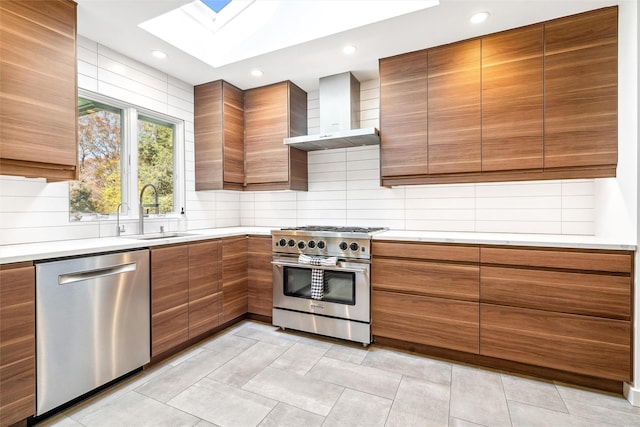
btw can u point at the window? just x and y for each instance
(120, 149)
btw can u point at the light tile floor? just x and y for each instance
(253, 374)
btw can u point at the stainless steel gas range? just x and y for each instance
(322, 280)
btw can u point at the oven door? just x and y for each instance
(347, 294)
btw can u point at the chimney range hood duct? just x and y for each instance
(339, 117)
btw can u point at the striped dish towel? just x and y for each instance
(318, 283)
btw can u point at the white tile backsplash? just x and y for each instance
(344, 184)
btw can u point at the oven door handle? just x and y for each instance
(318, 267)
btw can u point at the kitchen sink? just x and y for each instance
(158, 236)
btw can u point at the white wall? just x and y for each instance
(344, 188)
(624, 191)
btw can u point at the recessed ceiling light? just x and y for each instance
(257, 73)
(479, 17)
(349, 49)
(158, 54)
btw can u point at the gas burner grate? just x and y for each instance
(335, 229)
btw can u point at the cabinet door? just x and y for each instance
(581, 90)
(581, 344)
(208, 133)
(266, 125)
(260, 276)
(205, 296)
(38, 89)
(512, 99)
(454, 108)
(271, 114)
(403, 114)
(17, 344)
(437, 322)
(219, 136)
(169, 297)
(234, 278)
(233, 118)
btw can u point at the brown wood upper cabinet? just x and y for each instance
(17, 342)
(219, 136)
(537, 102)
(272, 113)
(454, 136)
(38, 89)
(403, 114)
(512, 95)
(581, 91)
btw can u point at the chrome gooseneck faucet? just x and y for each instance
(148, 205)
(120, 229)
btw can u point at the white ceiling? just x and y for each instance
(114, 23)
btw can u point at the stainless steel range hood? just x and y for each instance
(339, 117)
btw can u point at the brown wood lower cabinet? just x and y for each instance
(17, 343)
(185, 293)
(581, 344)
(565, 310)
(260, 276)
(205, 294)
(169, 297)
(234, 278)
(437, 322)
(426, 293)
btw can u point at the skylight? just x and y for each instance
(221, 32)
(216, 5)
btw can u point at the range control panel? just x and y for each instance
(342, 246)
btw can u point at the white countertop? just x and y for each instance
(64, 248)
(547, 240)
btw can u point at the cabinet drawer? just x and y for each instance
(578, 293)
(432, 321)
(616, 262)
(426, 251)
(442, 280)
(581, 344)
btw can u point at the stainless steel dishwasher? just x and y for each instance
(92, 323)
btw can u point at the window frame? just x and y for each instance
(129, 153)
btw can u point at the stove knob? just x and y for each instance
(321, 244)
(291, 243)
(354, 246)
(311, 244)
(301, 245)
(282, 242)
(343, 246)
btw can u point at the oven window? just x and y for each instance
(339, 287)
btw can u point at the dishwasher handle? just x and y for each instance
(66, 279)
